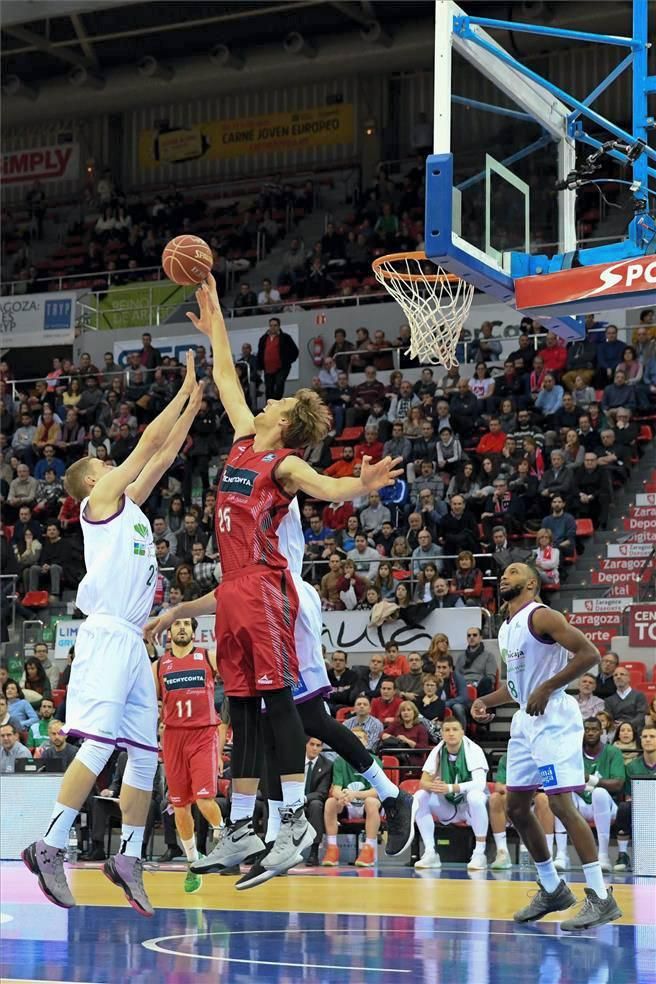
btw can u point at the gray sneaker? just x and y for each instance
(593, 912)
(296, 833)
(235, 843)
(47, 863)
(544, 902)
(127, 873)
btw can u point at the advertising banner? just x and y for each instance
(617, 550)
(600, 281)
(641, 524)
(177, 345)
(57, 162)
(646, 499)
(135, 306)
(617, 603)
(642, 625)
(33, 320)
(248, 135)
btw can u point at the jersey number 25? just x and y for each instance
(223, 516)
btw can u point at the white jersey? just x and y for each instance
(530, 659)
(312, 675)
(119, 554)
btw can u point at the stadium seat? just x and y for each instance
(584, 527)
(36, 599)
(58, 697)
(336, 452)
(637, 679)
(645, 434)
(636, 666)
(648, 689)
(350, 435)
(472, 692)
(391, 766)
(343, 713)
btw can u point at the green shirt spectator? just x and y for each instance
(609, 764)
(500, 774)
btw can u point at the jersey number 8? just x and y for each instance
(223, 516)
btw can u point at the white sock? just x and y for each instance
(242, 806)
(131, 840)
(550, 842)
(381, 783)
(595, 879)
(62, 819)
(215, 832)
(479, 847)
(623, 845)
(332, 839)
(190, 849)
(293, 794)
(372, 842)
(561, 843)
(549, 877)
(501, 842)
(273, 823)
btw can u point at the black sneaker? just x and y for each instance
(594, 912)
(400, 814)
(312, 860)
(258, 873)
(623, 862)
(544, 902)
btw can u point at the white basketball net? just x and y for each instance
(435, 305)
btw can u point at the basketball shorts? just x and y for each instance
(255, 619)
(191, 763)
(446, 812)
(544, 752)
(353, 811)
(111, 695)
(312, 674)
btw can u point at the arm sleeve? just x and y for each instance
(477, 781)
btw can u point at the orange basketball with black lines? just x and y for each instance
(187, 260)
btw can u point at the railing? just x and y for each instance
(9, 592)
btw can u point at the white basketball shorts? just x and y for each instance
(312, 674)
(545, 752)
(111, 695)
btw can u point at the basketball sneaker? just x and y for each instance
(502, 861)
(429, 859)
(544, 902)
(561, 862)
(605, 863)
(366, 858)
(47, 863)
(235, 843)
(258, 874)
(127, 872)
(623, 862)
(331, 857)
(593, 912)
(477, 862)
(400, 817)
(295, 834)
(193, 882)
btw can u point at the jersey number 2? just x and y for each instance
(223, 516)
(182, 706)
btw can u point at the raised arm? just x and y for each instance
(107, 492)
(211, 323)
(205, 605)
(296, 475)
(140, 489)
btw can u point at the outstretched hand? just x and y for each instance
(156, 628)
(209, 305)
(383, 473)
(479, 712)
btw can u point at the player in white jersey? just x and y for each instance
(543, 655)
(313, 684)
(111, 697)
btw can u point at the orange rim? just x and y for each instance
(432, 278)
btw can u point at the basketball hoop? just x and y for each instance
(436, 304)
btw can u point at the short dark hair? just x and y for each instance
(446, 658)
(9, 724)
(161, 539)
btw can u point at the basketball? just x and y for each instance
(187, 260)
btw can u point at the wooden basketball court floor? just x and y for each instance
(319, 926)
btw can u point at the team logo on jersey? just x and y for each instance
(141, 529)
(138, 548)
(300, 688)
(199, 656)
(269, 457)
(548, 776)
(184, 680)
(238, 480)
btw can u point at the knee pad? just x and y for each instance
(140, 769)
(94, 755)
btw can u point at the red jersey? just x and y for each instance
(187, 688)
(250, 505)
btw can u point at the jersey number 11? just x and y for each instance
(183, 705)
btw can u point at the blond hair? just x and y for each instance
(74, 479)
(309, 421)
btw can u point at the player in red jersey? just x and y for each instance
(184, 680)
(257, 601)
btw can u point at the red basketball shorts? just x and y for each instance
(255, 618)
(191, 763)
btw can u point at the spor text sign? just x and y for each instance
(642, 625)
(634, 276)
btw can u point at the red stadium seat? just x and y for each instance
(58, 697)
(584, 527)
(637, 679)
(336, 453)
(350, 435)
(391, 766)
(636, 666)
(645, 434)
(648, 689)
(410, 786)
(36, 599)
(343, 713)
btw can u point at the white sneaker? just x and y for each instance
(430, 859)
(605, 863)
(477, 862)
(501, 861)
(561, 862)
